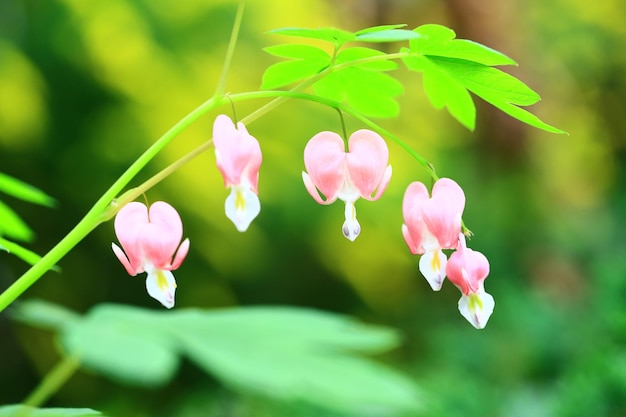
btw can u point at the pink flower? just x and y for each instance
(432, 224)
(467, 269)
(150, 241)
(347, 176)
(239, 158)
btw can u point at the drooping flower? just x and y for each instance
(432, 224)
(362, 172)
(150, 241)
(239, 158)
(467, 269)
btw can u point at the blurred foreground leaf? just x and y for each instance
(22, 410)
(23, 191)
(284, 353)
(24, 254)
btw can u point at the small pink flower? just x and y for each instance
(151, 244)
(467, 269)
(347, 176)
(432, 224)
(238, 156)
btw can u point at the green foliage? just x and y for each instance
(22, 410)
(11, 224)
(284, 353)
(452, 68)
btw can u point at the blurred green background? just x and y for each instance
(86, 86)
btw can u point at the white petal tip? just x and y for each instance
(432, 265)
(242, 206)
(477, 308)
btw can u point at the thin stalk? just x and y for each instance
(230, 51)
(51, 383)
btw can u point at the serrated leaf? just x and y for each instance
(359, 53)
(23, 410)
(24, 254)
(12, 225)
(288, 72)
(437, 40)
(388, 35)
(335, 36)
(488, 83)
(297, 51)
(23, 191)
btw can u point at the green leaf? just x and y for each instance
(360, 53)
(380, 28)
(369, 92)
(13, 226)
(287, 353)
(24, 254)
(124, 343)
(388, 35)
(437, 40)
(288, 72)
(24, 191)
(40, 313)
(298, 355)
(297, 51)
(335, 36)
(23, 410)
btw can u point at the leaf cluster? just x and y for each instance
(11, 224)
(284, 353)
(360, 76)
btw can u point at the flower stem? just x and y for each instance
(52, 382)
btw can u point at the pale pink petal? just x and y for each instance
(467, 269)
(477, 308)
(129, 223)
(413, 230)
(351, 227)
(161, 286)
(432, 265)
(367, 161)
(162, 236)
(442, 214)
(324, 160)
(124, 260)
(180, 255)
(242, 206)
(235, 149)
(310, 187)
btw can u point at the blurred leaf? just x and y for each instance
(11, 225)
(380, 28)
(24, 191)
(335, 36)
(124, 343)
(23, 410)
(24, 254)
(286, 353)
(295, 354)
(41, 313)
(437, 40)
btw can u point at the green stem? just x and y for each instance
(230, 51)
(52, 382)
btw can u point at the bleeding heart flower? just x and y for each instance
(150, 240)
(467, 269)
(347, 176)
(238, 156)
(432, 224)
